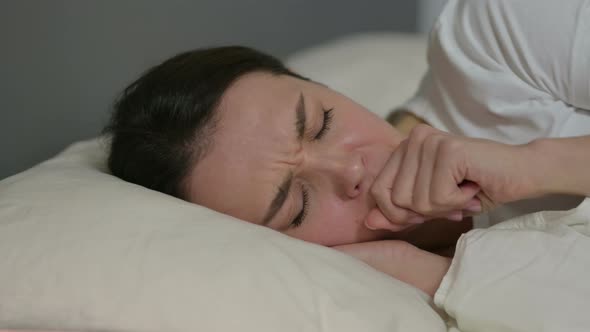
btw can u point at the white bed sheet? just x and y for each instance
(531, 273)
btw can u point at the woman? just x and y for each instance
(235, 130)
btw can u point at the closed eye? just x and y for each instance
(303, 212)
(327, 120)
(325, 124)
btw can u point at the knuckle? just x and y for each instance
(399, 215)
(423, 207)
(431, 142)
(402, 147)
(439, 199)
(450, 146)
(391, 212)
(421, 130)
(400, 199)
(418, 135)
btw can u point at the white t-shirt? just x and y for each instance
(510, 71)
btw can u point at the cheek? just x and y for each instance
(362, 126)
(333, 223)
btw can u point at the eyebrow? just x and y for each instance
(285, 187)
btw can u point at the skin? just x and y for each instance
(403, 261)
(241, 173)
(365, 181)
(436, 173)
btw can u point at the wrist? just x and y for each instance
(505, 173)
(535, 168)
(557, 166)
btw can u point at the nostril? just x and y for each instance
(357, 189)
(354, 192)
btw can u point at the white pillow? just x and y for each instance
(381, 71)
(81, 249)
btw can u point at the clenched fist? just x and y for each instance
(433, 174)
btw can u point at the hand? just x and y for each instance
(433, 174)
(402, 261)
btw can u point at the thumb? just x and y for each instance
(469, 188)
(487, 204)
(463, 193)
(473, 193)
(375, 220)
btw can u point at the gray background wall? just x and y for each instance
(63, 61)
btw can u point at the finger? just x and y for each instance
(448, 191)
(423, 183)
(376, 220)
(399, 216)
(381, 189)
(402, 191)
(455, 216)
(469, 189)
(487, 204)
(473, 206)
(384, 180)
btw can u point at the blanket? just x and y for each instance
(531, 273)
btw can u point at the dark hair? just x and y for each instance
(163, 122)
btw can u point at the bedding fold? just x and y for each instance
(531, 273)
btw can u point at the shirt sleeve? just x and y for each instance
(509, 70)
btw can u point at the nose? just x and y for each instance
(345, 170)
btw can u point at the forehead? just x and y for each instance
(258, 98)
(253, 139)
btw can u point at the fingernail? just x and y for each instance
(416, 220)
(455, 216)
(473, 207)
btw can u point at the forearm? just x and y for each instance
(403, 261)
(560, 165)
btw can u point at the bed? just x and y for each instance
(82, 250)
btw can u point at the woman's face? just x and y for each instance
(294, 156)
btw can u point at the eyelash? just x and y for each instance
(326, 124)
(303, 213)
(328, 115)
